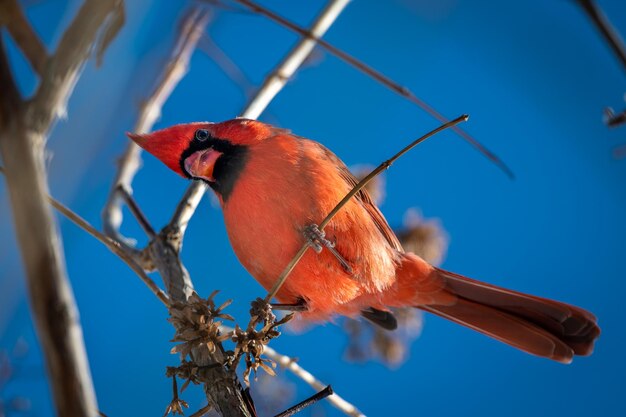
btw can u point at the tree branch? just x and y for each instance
(63, 69)
(52, 302)
(23, 131)
(23, 34)
(111, 244)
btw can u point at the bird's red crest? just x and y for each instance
(242, 131)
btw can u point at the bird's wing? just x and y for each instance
(365, 199)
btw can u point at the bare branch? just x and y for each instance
(385, 165)
(112, 245)
(52, 302)
(315, 398)
(23, 34)
(226, 64)
(23, 131)
(63, 69)
(605, 27)
(191, 29)
(272, 85)
(378, 76)
(611, 119)
(285, 70)
(306, 376)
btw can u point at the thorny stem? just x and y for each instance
(292, 366)
(378, 76)
(383, 166)
(307, 403)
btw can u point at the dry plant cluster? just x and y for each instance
(199, 323)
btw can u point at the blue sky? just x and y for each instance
(534, 76)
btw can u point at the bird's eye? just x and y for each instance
(202, 135)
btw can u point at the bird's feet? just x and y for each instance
(299, 305)
(317, 240)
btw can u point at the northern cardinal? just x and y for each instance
(274, 187)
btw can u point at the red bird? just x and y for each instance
(274, 187)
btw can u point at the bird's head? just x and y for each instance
(213, 152)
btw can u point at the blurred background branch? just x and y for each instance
(23, 132)
(606, 29)
(13, 18)
(291, 365)
(616, 43)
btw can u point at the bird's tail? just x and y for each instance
(535, 325)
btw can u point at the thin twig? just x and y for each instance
(201, 412)
(137, 213)
(611, 119)
(307, 403)
(226, 64)
(111, 244)
(291, 365)
(605, 27)
(23, 34)
(378, 76)
(383, 166)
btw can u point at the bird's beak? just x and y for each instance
(138, 139)
(200, 164)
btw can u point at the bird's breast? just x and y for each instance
(283, 190)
